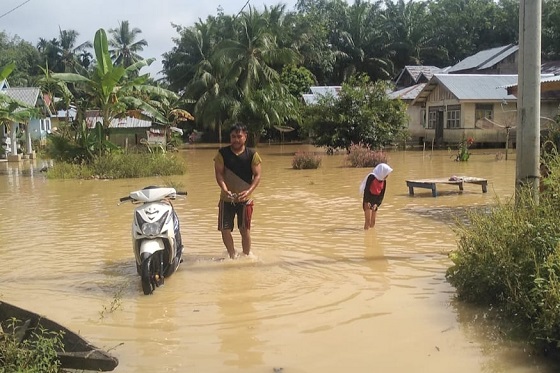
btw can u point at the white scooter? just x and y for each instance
(156, 235)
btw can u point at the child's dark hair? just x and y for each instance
(238, 127)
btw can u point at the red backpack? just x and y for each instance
(376, 187)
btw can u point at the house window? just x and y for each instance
(423, 118)
(483, 111)
(454, 116)
(42, 124)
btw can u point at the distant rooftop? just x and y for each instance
(484, 59)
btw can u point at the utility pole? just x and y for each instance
(529, 98)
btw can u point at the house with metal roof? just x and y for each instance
(36, 129)
(454, 106)
(415, 112)
(320, 91)
(500, 60)
(413, 75)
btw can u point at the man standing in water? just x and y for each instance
(238, 173)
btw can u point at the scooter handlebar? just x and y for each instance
(124, 199)
(181, 193)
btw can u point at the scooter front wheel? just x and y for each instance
(146, 275)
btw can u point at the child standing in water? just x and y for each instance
(373, 188)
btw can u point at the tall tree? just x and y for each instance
(363, 43)
(124, 47)
(62, 54)
(412, 34)
(24, 55)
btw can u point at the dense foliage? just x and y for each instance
(508, 259)
(362, 113)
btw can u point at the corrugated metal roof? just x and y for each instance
(470, 87)
(408, 93)
(127, 122)
(26, 95)
(320, 91)
(484, 59)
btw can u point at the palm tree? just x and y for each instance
(413, 36)
(361, 44)
(124, 47)
(62, 54)
(215, 96)
(252, 54)
(69, 51)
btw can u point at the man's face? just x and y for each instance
(238, 139)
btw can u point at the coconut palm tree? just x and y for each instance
(62, 54)
(69, 52)
(124, 46)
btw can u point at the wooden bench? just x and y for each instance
(460, 181)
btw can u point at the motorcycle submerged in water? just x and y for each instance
(156, 235)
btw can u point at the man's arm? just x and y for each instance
(256, 179)
(219, 170)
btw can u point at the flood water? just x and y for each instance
(321, 294)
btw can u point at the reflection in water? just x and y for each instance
(239, 325)
(321, 296)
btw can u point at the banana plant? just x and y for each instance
(113, 89)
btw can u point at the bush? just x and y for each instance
(121, 166)
(303, 161)
(360, 155)
(35, 355)
(508, 259)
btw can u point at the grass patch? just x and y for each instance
(121, 166)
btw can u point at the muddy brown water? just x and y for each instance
(321, 295)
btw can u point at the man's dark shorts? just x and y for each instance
(228, 211)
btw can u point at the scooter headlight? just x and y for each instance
(151, 229)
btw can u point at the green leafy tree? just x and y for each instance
(361, 114)
(298, 79)
(24, 55)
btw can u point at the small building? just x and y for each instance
(37, 128)
(478, 106)
(416, 113)
(125, 131)
(413, 75)
(320, 91)
(500, 60)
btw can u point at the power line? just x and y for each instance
(19, 6)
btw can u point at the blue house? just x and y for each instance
(36, 129)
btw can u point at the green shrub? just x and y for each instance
(121, 166)
(37, 354)
(508, 259)
(304, 160)
(360, 155)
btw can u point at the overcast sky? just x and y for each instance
(34, 19)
